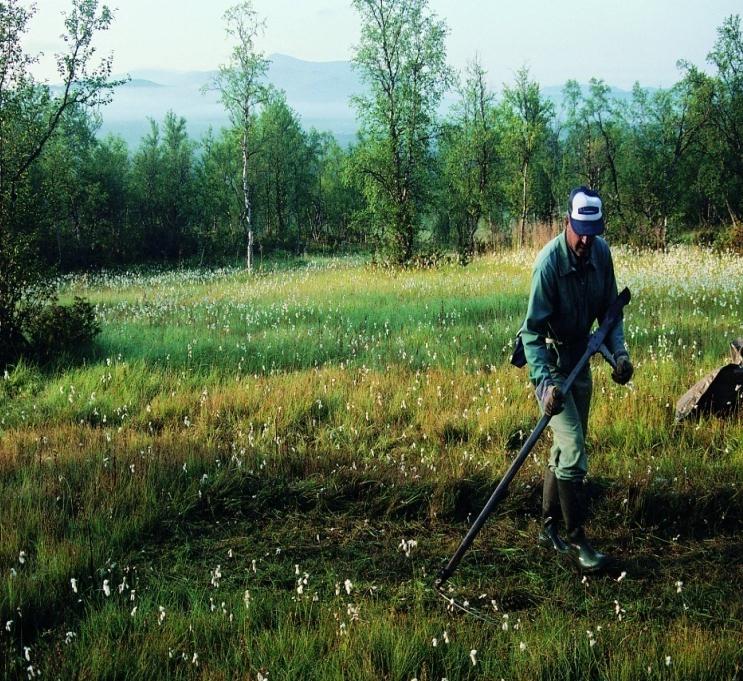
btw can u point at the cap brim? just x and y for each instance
(587, 227)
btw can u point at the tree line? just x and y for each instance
(175, 200)
(666, 161)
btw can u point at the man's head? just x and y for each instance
(584, 221)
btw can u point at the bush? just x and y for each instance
(24, 289)
(62, 330)
(731, 239)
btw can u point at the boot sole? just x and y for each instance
(588, 570)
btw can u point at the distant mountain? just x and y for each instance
(319, 92)
(140, 82)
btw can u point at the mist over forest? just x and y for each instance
(319, 92)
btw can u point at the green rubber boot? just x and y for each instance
(548, 536)
(573, 511)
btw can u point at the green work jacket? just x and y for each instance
(566, 298)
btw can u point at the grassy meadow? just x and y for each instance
(258, 477)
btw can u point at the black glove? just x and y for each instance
(550, 397)
(623, 373)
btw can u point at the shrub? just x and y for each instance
(62, 330)
(731, 239)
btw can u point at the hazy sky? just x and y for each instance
(619, 40)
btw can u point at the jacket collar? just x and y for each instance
(567, 261)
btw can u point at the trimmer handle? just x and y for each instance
(608, 356)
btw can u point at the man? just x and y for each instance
(573, 284)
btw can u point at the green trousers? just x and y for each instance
(568, 457)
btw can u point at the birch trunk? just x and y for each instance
(246, 206)
(522, 234)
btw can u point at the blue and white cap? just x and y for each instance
(585, 212)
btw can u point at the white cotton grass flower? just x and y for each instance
(134, 611)
(106, 588)
(27, 653)
(161, 615)
(69, 636)
(679, 586)
(246, 599)
(8, 625)
(260, 677)
(73, 584)
(22, 557)
(195, 659)
(446, 637)
(348, 585)
(407, 546)
(473, 656)
(302, 582)
(622, 576)
(216, 575)
(668, 660)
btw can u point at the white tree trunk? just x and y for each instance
(247, 206)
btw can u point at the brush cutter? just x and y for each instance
(595, 345)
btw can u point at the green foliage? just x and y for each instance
(730, 239)
(725, 108)
(401, 57)
(283, 175)
(500, 166)
(31, 119)
(62, 329)
(528, 115)
(23, 292)
(472, 159)
(242, 90)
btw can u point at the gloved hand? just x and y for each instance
(551, 398)
(623, 373)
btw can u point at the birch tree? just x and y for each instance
(401, 57)
(30, 117)
(529, 114)
(242, 87)
(471, 162)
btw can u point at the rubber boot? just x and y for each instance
(573, 511)
(548, 536)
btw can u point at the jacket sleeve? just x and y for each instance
(615, 338)
(536, 325)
